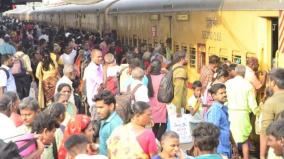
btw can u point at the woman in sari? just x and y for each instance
(66, 89)
(80, 124)
(133, 140)
(47, 73)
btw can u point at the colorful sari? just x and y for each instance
(123, 144)
(74, 127)
(47, 84)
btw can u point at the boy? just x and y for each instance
(195, 101)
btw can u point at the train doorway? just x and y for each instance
(274, 38)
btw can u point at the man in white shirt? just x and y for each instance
(69, 75)
(93, 77)
(141, 93)
(7, 81)
(7, 127)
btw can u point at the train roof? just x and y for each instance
(98, 7)
(141, 6)
(128, 6)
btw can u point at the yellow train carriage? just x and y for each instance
(233, 30)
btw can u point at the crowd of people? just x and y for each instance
(72, 94)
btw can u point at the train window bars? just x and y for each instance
(192, 57)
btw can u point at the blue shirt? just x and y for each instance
(130, 80)
(6, 48)
(209, 156)
(107, 127)
(218, 115)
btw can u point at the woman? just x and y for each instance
(47, 73)
(133, 140)
(15, 116)
(81, 124)
(66, 89)
(221, 76)
(159, 110)
(56, 111)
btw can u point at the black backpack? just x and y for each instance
(166, 88)
(9, 150)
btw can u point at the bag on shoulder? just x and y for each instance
(6, 71)
(123, 103)
(166, 88)
(9, 150)
(18, 66)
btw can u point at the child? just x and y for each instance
(111, 70)
(170, 147)
(195, 102)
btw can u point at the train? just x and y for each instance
(231, 29)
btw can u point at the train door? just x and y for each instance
(274, 38)
(201, 56)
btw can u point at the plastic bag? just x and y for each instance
(33, 90)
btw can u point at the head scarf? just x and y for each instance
(75, 126)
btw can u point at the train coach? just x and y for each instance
(232, 29)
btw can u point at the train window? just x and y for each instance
(176, 47)
(211, 50)
(139, 42)
(201, 56)
(184, 48)
(192, 57)
(149, 46)
(223, 54)
(236, 57)
(156, 43)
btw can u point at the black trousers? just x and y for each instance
(159, 129)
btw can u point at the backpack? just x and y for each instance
(6, 71)
(166, 88)
(124, 101)
(9, 150)
(25, 143)
(18, 66)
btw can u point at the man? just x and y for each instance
(126, 79)
(105, 105)
(7, 81)
(29, 109)
(218, 115)
(207, 72)
(76, 146)
(272, 107)
(241, 102)
(250, 75)
(5, 47)
(179, 82)
(45, 126)
(139, 90)
(275, 133)
(7, 127)
(68, 76)
(93, 77)
(206, 141)
(22, 72)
